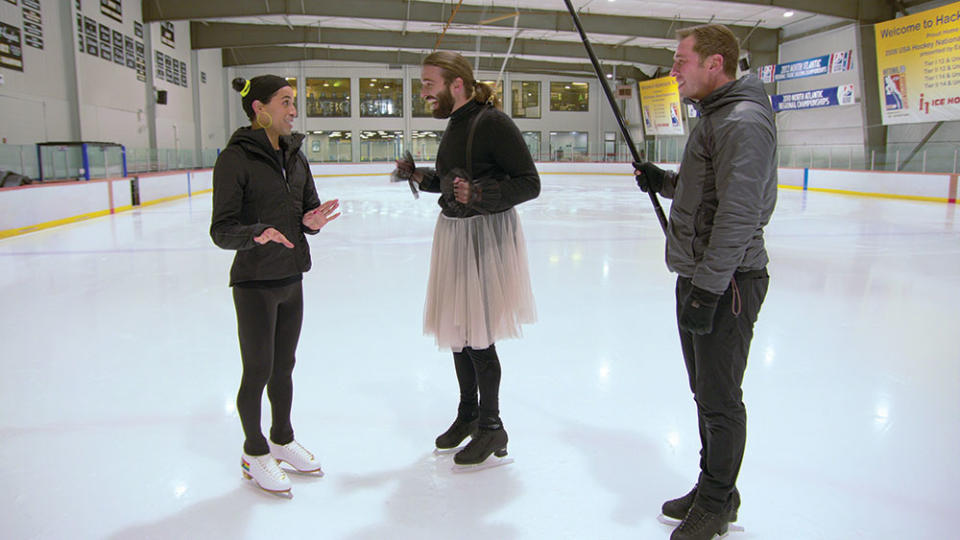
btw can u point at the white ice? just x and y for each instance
(120, 366)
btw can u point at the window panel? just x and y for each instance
(424, 144)
(420, 107)
(525, 96)
(328, 98)
(569, 145)
(381, 145)
(329, 146)
(569, 96)
(532, 138)
(381, 98)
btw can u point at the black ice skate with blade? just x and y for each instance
(681, 507)
(487, 449)
(673, 511)
(449, 441)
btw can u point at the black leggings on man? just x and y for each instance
(479, 369)
(715, 365)
(268, 323)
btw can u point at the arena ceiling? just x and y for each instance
(632, 37)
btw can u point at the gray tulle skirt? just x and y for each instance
(479, 287)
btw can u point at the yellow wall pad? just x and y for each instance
(881, 195)
(82, 217)
(50, 224)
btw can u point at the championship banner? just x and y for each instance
(918, 66)
(813, 99)
(821, 65)
(660, 101)
(11, 51)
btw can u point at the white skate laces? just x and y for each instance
(266, 472)
(295, 455)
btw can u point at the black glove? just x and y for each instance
(405, 171)
(696, 314)
(449, 197)
(650, 177)
(405, 168)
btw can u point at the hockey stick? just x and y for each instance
(616, 110)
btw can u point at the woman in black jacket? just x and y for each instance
(264, 204)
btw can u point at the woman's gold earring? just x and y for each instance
(263, 124)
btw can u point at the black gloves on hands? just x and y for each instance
(650, 177)
(696, 314)
(405, 171)
(405, 168)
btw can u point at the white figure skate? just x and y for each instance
(266, 473)
(298, 457)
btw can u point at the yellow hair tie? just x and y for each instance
(246, 90)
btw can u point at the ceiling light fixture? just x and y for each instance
(788, 14)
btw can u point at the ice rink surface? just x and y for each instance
(120, 366)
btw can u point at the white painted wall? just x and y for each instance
(212, 112)
(33, 103)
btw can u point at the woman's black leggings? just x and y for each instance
(268, 323)
(479, 369)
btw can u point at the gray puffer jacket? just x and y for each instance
(726, 188)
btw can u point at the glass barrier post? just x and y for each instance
(86, 161)
(39, 163)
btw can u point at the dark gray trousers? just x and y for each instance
(715, 366)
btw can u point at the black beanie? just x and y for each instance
(257, 89)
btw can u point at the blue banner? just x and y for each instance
(829, 63)
(813, 99)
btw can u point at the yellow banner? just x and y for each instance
(660, 102)
(918, 66)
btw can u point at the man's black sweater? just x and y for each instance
(502, 167)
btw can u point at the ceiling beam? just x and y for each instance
(268, 55)
(222, 35)
(434, 12)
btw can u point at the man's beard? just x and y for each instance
(444, 106)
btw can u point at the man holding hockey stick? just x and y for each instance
(723, 196)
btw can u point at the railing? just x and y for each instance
(933, 157)
(66, 163)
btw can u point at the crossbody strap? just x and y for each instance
(473, 129)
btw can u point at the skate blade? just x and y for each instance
(488, 463)
(318, 472)
(666, 520)
(283, 493)
(447, 451)
(675, 522)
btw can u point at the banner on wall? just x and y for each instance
(918, 66)
(660, 102)
(167, 35)
(813, 99)
(32, 24)
(821, 65)
(11, 50)
(112, 9)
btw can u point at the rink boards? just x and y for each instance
(28, 208)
